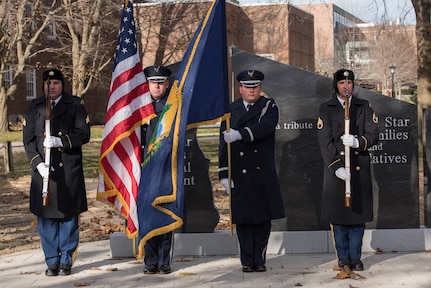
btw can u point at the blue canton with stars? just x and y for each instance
(126, 43)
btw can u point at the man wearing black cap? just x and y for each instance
(57, 220)
(347, 223)
(256, 196)
(157, 249)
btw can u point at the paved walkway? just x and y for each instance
(94, 267)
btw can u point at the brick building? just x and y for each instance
(280, 32)
(332, 30)
(342, 40)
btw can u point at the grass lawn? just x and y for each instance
(91, 153)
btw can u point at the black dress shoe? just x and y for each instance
(65, 269)
(260, 268)
(150, 269)
(344, 263)
(52, 270)
(357, 265)
(164, 269)
(247, 268)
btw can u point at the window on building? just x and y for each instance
(51, 31)
(28, 10)
(28, 13)
(7, 76)
(30, 83)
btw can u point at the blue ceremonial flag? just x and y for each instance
(199, 95)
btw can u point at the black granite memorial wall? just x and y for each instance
(300, 166)
(299, 94)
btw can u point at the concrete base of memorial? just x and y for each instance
(283, 242)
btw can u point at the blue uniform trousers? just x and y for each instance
(348, 240)
(59, 239)
(253, 241)
(158, 250)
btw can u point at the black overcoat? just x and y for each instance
(256, 195)
(330, 128)
(70, 122)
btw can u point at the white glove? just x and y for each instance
(231, 136)
(342, 174)
(350, 140)
(225, 183)
(52, 142)
(43, 169)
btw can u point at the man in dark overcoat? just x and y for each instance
(256, 196)
(347, 223)
(157, 249)
(57, 221)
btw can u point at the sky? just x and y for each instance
(367, 10)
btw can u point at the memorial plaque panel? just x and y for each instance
(200, 214)
(395, 162)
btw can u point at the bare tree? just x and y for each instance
(86, 31)
(392, 45)
(84, 44)
(423, 36)
(19, 37)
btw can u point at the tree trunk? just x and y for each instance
(423, 35)
(4, 123)
(423, 38)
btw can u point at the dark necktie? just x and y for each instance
(248, 107)
(52, 105)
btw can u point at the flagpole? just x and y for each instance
(229, 181)
(229, 170)
(126, 2)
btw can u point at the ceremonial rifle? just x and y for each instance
(45, 187)
(347, 193)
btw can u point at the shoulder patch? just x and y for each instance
(375, 118)
(319, 123)
(274, 104)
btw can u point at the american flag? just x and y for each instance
(129, 106)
